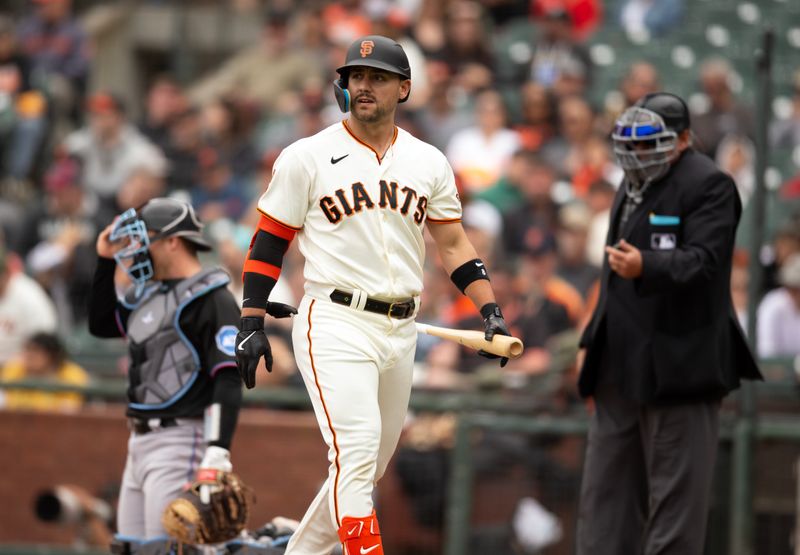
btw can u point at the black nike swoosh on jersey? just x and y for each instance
(337, 160)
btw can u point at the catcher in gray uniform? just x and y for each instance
(184, 391)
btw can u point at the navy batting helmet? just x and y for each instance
(371, 51)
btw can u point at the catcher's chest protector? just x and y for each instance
(164, 364)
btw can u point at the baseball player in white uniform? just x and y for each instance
(357, 196)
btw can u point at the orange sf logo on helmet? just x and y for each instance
(366, 48)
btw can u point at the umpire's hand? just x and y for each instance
(493, 324)
(625, 260)
(251, 345)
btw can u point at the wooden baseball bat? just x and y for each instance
(502, 345)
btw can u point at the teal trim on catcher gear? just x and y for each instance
(166, 341)
(134, 257)
(164, 217)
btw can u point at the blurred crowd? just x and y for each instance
(530, 150)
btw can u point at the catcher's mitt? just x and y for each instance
(191, 521)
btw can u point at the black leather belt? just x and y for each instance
(143, 426)
(400, 310)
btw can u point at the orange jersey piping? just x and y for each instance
(378, 156)
(445, 221)
(277, 221)
(269, 225)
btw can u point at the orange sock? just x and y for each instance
(361, 536)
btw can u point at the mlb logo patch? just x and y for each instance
(663, 241)
(226, 339)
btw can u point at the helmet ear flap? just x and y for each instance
(342, 94)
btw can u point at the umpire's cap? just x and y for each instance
(378, 52)
(168, 216)
(670, 107)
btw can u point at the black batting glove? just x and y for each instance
(280, 310)
(493, 324)
(251, 345)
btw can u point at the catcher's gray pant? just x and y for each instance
(646, 477)
(159, 464)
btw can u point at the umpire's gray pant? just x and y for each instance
(158, 466)
(646, 477)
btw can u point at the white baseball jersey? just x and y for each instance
(360, 219)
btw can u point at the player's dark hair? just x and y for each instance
(190, 246)
(50, 344)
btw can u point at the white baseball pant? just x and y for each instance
(357, 367)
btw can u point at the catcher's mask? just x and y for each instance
(371, 51)
(134, 257)
(164, 217)
(646, 137)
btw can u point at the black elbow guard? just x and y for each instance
(468, 272)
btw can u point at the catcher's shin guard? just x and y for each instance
(361, 536)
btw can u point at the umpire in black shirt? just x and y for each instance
(663, 346)
(184, 390)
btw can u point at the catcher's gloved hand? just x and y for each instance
(215, 459)
(280, 310)
(493, 324)
(193, 521)
(251, 345)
